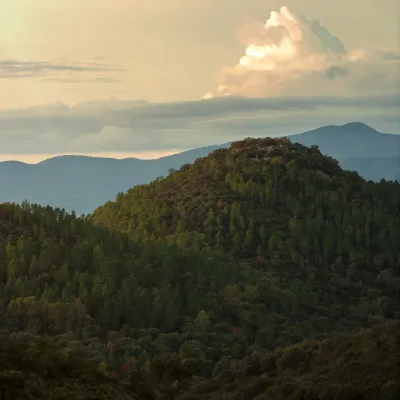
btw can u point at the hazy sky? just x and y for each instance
(74, 51)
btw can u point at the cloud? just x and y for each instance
(137, 125)
(82, 80)
(335, 72)
(14, 69)
(291, 54)
(390, 55)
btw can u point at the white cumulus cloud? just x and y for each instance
(293, 55)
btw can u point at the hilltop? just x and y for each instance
(83, 183)
(261, 197)
(325, 234)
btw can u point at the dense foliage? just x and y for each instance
(323, 232)
(364, 366)
(251, 249)
(37, 369)
(284, 202)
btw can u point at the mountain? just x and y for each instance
(83, 183)
(374, 168)
(244, 274)
(257, 197)
(351, 140)
(358, 147)
(323, 234)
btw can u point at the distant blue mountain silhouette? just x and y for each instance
(83, 183)
(351, 140)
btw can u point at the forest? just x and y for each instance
(262, 271)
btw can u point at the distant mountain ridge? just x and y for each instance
(352, 140)
(358, 147)
(82, 183)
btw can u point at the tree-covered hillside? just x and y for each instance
(250, 250)
(37, 369)
(280, 205)
(63, 275)
(256, 197)
(365, 365)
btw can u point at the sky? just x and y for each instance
(149, 78)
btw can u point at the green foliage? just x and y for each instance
(37, 369)
(236, 257)
(281, 201)
(365, 365)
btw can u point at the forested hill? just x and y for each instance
(35, 368)
(364, 365)
(348, 367)
(283, 202)
(257, 253)
(163, 319)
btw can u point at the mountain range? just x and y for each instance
(82, 183)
